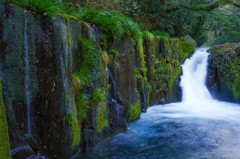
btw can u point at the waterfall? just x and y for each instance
(114, 97)
(197, 101)
(198, 127)
(27, 77)
(194, 78)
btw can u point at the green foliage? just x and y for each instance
(113, 24)
(68, 118)
(224, 26)
(130, 7)
(50, 7)
(76, 132)
(101, 121)
(186, 49)
(87, 52)
(82, 103)
(99, 98)
(104, 40)
(134, 111)
(174, 76)
(115, 53)
(80, 79)
(99, 95)
(148, 35)
(105, 58)
(72, 120)
(161, 33)
(87, 58)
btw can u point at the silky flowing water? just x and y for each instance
(199, 127)
(27, 77)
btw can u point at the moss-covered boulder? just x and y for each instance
(191, 40)
(223, 72)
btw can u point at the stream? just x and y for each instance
(199, 127)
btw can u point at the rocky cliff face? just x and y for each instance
(64, 89)
(223, 72)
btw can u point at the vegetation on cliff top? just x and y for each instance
(113, 24)
(210, 22)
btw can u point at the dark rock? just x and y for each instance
(21, 152)
(223, 78)
(135, 75)
(33, 144)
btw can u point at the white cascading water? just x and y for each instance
(27, 77)
(197, 127)
(194, 77)
(196, 99)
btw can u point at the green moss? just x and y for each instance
(104, 40)
(99, 95)
(101, 121)
(80, 79)
(134, 111)
(174, 76)
(68, 17)
(161, 33)
(105, 58)
(99, 99)
(50, 7)
(115, 53)
(226, 58)
(141, 55)
(88, 59)
(111, 23)
(148, 34)
(232, 77)
(76, 128)
(4, 138)
(167, 47)
(75, 118)
(114, 25)
(186, 49)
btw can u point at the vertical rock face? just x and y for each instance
(223, 72)
(4, 139)
(79, 91)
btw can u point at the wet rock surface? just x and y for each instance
(128, 77)
(223, 72)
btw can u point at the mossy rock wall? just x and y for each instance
(75, 102)
(163, 58)
(223, 72)
(4, 139)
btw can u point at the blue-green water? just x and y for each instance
(200, 127)
(161, 137)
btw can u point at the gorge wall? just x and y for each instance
(223, 72)
(66, 88)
